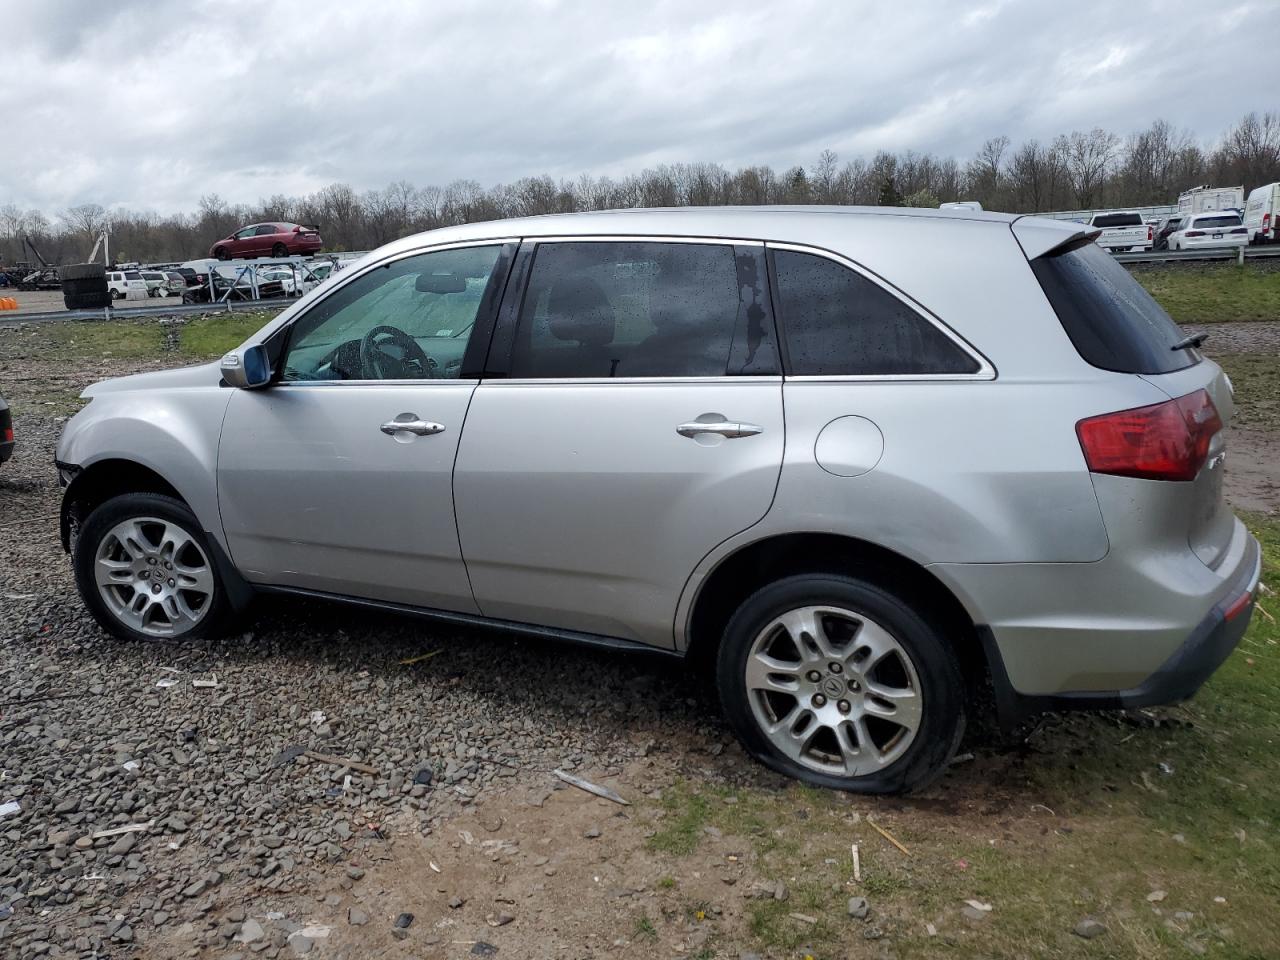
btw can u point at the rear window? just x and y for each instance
(1117, 220)
(1112, 321)
(132, 275)
(1223, 220)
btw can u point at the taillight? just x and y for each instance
(1165, 441)
(1194, 233)
(1266, 221)
(7, 435)
(1150, 235)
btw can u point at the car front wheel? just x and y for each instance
(838, 682)
(145, 570)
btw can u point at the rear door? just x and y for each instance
(633, 423)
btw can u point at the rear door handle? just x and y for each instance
(410, 423)
(729, 429)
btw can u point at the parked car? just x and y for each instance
(1166, 226)
(6, 431)
(1262, 214)
(124, 283)
(297, 280)
(1124, 230)
(161, 284)
(1209, 230)
(268, 240)
(580, 434)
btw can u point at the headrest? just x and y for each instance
(579, 310)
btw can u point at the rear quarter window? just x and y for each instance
(837, 322)
(1112, 321)
(1208, 223)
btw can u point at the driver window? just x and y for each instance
(408, 320)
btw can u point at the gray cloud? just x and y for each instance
(148, 105)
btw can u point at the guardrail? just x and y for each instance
(124, 313)
(1239, 254)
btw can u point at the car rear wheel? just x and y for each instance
(838, 682)
(145, 570)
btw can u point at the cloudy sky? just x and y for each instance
(149, 104)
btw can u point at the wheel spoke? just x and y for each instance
(173, 541)
(769, 673)
(895, 704)
(805, 631)
(872, 644)
(850, 749)
(113, 573)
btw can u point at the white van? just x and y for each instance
(1262, 214)
(1207, 199)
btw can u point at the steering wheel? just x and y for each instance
(373, 359)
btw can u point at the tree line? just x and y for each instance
(1086, 169)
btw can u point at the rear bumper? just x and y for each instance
(1205, 649)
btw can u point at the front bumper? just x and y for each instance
(1178, 678)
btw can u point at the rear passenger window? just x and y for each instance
(837, 322)
(644, 309)
(1112, 321)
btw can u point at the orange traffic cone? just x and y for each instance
(8, 303)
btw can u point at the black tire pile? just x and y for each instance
(84, 286)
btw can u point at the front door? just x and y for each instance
(640, 425)
(339, 476)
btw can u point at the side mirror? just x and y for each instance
(247, 368)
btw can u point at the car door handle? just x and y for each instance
(729, 429)
(423, 428)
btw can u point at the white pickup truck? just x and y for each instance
(1122, 231)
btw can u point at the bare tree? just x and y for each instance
(1089, 158)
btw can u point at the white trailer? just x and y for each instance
(1207, 199)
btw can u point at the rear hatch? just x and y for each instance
(1116, 325)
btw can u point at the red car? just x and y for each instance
(268, 240)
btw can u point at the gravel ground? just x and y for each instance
(240, 833)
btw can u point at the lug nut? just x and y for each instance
(171, 583)
(835, 668)
(843, 706)
(814, 676)
(151, 561)
(155, 588)
(819, 700)
(168, 565)
(854, 686)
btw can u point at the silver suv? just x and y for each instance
(865, 464)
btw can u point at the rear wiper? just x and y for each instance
(1192, 341)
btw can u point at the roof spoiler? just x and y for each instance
(1041, 237)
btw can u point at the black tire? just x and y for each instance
(85, 285)
(941, 684)
(279, 250)
(216, 616)
(221, 253)
(86, 301)
(83, 271)
(116, 294)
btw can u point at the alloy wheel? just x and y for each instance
(153, 576)
(833, 690)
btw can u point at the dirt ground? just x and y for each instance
(713, 856)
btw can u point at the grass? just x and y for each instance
(1214, 293)
(203, 337)
(1256, 379)
(1105, 811)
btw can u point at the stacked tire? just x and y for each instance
(84, 286)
